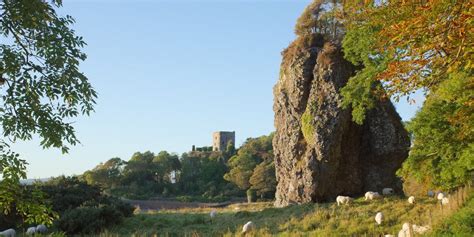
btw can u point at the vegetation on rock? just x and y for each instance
(307, 126)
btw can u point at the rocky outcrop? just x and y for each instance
(319, 151)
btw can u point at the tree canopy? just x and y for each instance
(442, 154)
(252, 167)
(406, 46)
(42, 90)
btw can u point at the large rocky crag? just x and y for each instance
(319, 151)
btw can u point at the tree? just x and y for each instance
(139, 168)
(405, 45)
(202, 174)
(166, 164)
(321, 17)
(442, 155)
(106, 175)
(241, 168)
(230, 150)
(42, 89)
(263, 179)
(250, 154)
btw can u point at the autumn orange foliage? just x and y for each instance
(426, 39)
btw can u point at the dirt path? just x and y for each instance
(173, 204)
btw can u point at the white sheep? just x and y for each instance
(406, 226)
(213, 213)
(411, 200)
(344, 200)
(440, 196)
(405, 231)
(389, 235)
(8, 233)
(445, 201)
(387, 191)
(372, 195)
(31, 231)
(420, 229)
(41, 229)
(431, 193)
(379, 218)
(249, 226)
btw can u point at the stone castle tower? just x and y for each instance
(220, 140)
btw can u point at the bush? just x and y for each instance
(83, 208)
(69, 192)
(88, 220)
(93, 219)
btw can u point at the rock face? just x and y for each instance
(319, 151)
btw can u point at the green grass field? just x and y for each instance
(326, 219)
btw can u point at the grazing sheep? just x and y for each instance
(406, 226)
(248, 227)
(41, 229)
(405, 231)
(420, 229)
(387, 191)
(445, 201)
(8, 233)
(372, 195)
(431, 193)
(440, 196)
(343, 200)
(31, 231)
(411, 200)
(379, 218)
(213, 213)
(389, 235)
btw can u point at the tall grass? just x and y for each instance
(326, 219)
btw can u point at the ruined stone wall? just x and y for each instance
(220, 140)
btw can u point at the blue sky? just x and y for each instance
(169, 73)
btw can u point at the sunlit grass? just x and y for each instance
(325, 219)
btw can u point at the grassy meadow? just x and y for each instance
(318, 219)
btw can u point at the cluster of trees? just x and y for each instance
(205, 174)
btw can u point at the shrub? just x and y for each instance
(83, 208)
(93, 219)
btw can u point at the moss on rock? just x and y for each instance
(307, 126)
